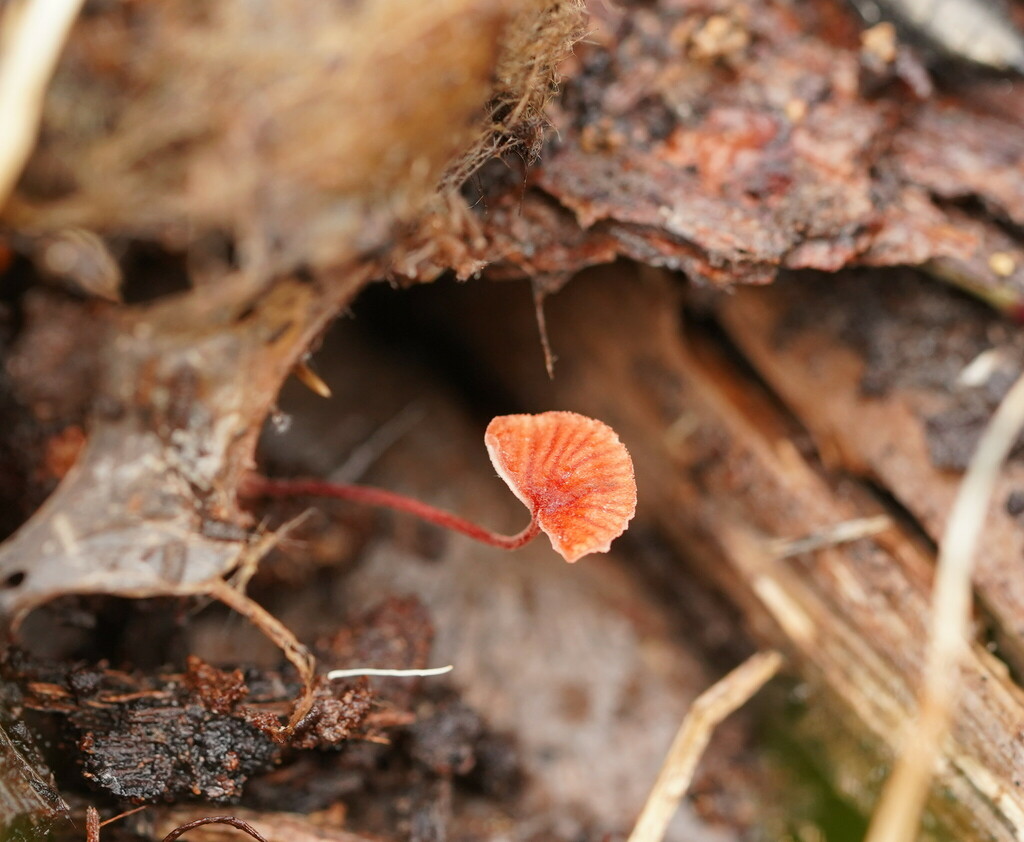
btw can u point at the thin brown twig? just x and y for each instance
(249, 561)
(93, 823)
(705, 714)
(228, 820)
(542, 327)
(123, 815)
(899, 809)
(281, 635)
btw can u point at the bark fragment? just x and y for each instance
(203, 733)
(30, 803)
(763, 153)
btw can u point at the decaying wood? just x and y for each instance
(295, 151)
(167, 736)
(205, 732)
(730, 142)
(949, 630)
(900, 399)
(725, 475)
(30, 803)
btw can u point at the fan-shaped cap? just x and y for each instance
(572, 472)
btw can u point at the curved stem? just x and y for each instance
(234, 821)
(256, 485)
(301, 658)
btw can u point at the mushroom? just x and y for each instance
(571, 472)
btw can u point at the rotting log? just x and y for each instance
(756, 169)
(726, 472)
(895, 380)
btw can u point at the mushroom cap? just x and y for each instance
(573, 474)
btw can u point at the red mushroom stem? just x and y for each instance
(256, 485)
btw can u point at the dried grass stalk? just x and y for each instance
(705, 714)
(31, 39)
(899, 809)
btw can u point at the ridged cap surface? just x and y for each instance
(572, 472)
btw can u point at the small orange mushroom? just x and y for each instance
(572, 472)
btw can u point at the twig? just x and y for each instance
(360, 671)
(705, 714)
(841, 533)
(305, 374)
(123, 815)
(33, 34)
(542, 326)
(92, 824)
(899, 808)
(249, 561)
(229, 820)
(280, 634)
